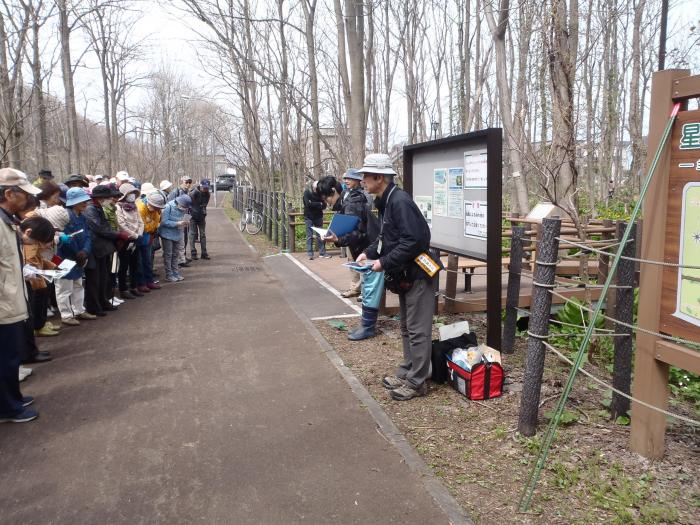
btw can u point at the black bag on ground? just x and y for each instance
(440, 348)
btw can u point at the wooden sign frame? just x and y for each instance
(657, 284)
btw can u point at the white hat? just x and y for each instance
(99, 178)
(377, 163)
(122, 176)
(165, 185)
(13, 177)
(147, 188)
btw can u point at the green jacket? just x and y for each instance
(110, 211)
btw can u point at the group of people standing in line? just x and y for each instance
(389, 245)
(110, 229)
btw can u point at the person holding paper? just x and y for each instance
(37, 234)
(74, 245)
(313, 217)
(404, 235)
(354, 203)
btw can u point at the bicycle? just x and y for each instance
(251, 221)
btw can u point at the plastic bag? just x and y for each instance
(372, 289)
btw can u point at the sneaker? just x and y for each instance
(115, 302)
(153, 286)
(70, 321)
(194, 257)
(54, 327)
(205, 257)
(45, 331)
(184, 265)
(325, 256)
(88, 316)
(392, 382)
(135, 292)
(405, 392)
(143, 289)
(179, 277)
(126, 294)
(171, 279)
(27, 400)
(350, 293)
(24, 372)
(311, 257)
(26, 415)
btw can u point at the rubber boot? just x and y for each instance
(367, 326)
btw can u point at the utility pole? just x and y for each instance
(662, 35)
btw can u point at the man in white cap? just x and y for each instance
(404, 235)
(14, 191)
(165, 185)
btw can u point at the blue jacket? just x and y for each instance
(78, 243)
(168, 222)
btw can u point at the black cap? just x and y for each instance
(102, 192)
(77, 177)
(45, 174)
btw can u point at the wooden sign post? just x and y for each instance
(669, 297)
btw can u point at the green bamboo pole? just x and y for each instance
(526, 497)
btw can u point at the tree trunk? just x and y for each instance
(69, 91)
(512, 129)
(309, 16)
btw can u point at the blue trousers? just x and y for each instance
(145, 273)
(12, 347)
(310, 234)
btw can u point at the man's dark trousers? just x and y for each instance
(416, 309)
(13, 341)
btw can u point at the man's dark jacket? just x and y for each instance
(102, 235)
(200, 200)
(405, 236)
(313, 205)
(355, 203)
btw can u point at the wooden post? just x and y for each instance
(283, 226)
(451, 283)
(543, 282)
(435, 254)
(513, 295)
(276, 218)
(291, 231)
(650, 382)
(603, 266)
(624, 312)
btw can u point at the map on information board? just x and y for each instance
(688, 292)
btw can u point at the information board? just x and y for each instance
(456, 182)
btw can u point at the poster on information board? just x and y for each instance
(455, 188)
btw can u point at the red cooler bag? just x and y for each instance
(485, 381)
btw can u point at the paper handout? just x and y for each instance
(361, 267)
(61, 271)
(340, 225)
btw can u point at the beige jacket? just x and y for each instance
(13, 294)
(130, 221)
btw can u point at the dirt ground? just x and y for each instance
(474, 447)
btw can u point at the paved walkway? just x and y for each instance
(205, 402)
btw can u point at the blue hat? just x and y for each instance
(184, 201)
(76, 196)
(205, 183)
(352, 173)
